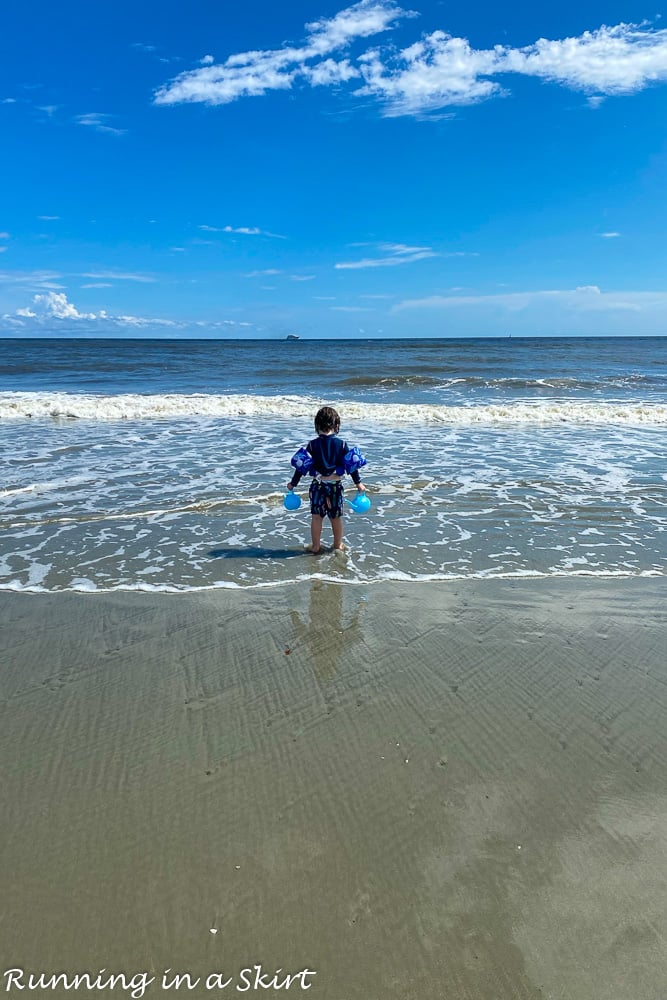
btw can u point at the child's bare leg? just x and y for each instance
(316, 523)
(337, 528)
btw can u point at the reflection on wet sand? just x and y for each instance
(331, 628)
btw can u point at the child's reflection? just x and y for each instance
(329, 632)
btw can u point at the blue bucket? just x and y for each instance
(361, 503)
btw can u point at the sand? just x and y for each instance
(451, 791)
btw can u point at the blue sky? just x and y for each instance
(369, 169)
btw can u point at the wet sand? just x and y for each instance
(438, 792)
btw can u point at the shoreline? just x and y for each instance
(231, 587)
(445, 789)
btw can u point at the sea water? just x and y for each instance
(162, 464)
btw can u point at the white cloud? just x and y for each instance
(206, 60)
(3, 249)
(252, 231)
(443, 71)
(370, 17)
(142, 321)
(402, 248)
(611, 60)
(55, 305)
(584, 298)
(329, 72)
(99, 122)
(439, 71)
(609, 236)
(302, 277)
(4, 236)
(98, 284)
(47, 309)
(243, 231)
(395, 254)
(223, 323)
(384, 261)
(49, 218)
(262, 274)
(118, 276)
(250, 74)
(436, 72)
(30, 279)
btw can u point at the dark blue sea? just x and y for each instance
(161, 464)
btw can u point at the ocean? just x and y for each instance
(161, 464)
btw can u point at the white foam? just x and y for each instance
(158, 502)
(64, 406)
(38, 573)
(84, 585)
(13, 491)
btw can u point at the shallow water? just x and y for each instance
(162, 465)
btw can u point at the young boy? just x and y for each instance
(327, 458)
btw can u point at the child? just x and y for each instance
(327, 458)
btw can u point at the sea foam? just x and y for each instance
(71, 406)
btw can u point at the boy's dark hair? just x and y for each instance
(327, 419)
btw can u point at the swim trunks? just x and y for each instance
(326, 499)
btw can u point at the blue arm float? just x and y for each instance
(354, 460)
(303, 462)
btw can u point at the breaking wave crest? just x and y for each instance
(23, 406)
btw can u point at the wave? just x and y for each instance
(528, 383)
(24, 406)
(570, 382)
(387, 576)
(388, 381)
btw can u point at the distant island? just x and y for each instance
(292, 336)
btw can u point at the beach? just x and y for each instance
(410, 790)
(333, 514)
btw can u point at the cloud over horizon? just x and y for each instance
(56, 306)
(52, 306)
(584, 298)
